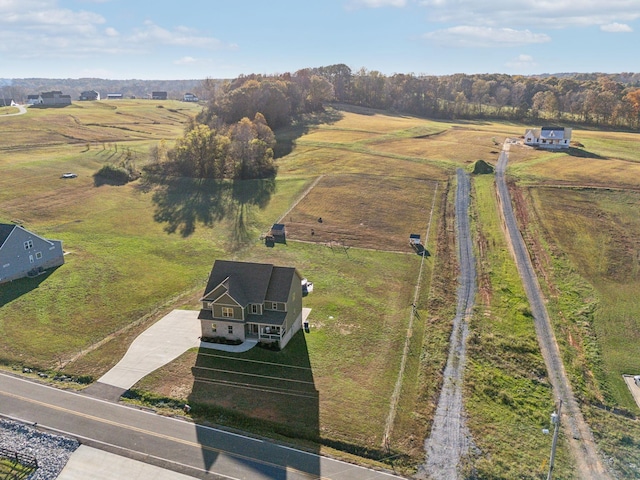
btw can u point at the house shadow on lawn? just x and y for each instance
(11, 291)
(579, 152)
(266, 392)
(182, 203)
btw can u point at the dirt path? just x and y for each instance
(581, 442)
(450, 440)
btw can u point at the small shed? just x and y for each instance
(279, 231)
(414, 239)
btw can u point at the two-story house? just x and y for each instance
(24, 253)
(245, 300)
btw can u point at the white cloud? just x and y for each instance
(152, 34)
(616, 27)
(38, 28)
(549, 13)
(376, 3)
(479, 36)
(186, 61)
(522, 62)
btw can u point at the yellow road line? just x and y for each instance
(159, 435)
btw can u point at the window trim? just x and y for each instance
(227, 312)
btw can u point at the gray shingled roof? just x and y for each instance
(5, 231)
(251, 282)
(248, 282)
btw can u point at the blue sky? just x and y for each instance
(156, 40)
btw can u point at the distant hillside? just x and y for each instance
(19, 88)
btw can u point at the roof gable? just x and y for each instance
(247, 282)
(280, 284)
(5, 231)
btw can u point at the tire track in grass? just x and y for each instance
(450, 440)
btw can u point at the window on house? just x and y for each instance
(214, 328)
(278, 306)
(256, 309)
(227, 312)
(28, 244)
(230, 328)
(38, 255)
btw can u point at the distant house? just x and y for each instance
(189, 97)
(158, 95)
(114, 96)
(55, 97)
(7, 102)
(34, 99)
(252, 301)
(89, 95)
(23, 253)
(551, 138)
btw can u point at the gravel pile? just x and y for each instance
(51, 451)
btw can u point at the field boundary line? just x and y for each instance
(405, 353)
(301, 197)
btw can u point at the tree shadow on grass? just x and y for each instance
(286, 137)
(183, 203)
(11, 291)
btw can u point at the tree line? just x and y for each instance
(224, 143)
(590, 99)
(233, 136)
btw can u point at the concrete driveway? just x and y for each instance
(161, 343)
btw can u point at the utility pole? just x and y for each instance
(555, 420)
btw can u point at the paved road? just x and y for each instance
(449, 440)
(175, 444)
(579, 434)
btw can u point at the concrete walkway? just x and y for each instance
(161, 343)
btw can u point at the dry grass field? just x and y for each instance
(139, 250)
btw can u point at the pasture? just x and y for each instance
(138, 250)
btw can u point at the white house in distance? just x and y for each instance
(551, 138)
(189, 97)
(23, 253)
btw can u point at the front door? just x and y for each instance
(252, 330)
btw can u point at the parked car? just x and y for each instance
(69, 175)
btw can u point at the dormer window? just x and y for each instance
(227, 312)
(255, 309)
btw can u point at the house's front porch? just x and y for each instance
(263, 332)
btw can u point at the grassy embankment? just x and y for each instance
(584, 231)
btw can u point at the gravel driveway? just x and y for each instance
(450, 440)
